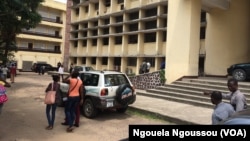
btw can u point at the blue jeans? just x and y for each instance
(51, 117)
(71, 108)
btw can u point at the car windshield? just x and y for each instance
(115, 79)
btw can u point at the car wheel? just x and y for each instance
(124, 94)
(239, 75)
(89, 110)
(122, 109)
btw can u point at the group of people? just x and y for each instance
(72, 105)
(4, 72)
(145, 67)
(224, 110)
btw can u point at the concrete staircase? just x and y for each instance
(190, 91)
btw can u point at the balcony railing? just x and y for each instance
(41, 34)
(57, 20)
(38, 50)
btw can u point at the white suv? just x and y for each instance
(104, 90)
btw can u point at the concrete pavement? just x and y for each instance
(173, 111)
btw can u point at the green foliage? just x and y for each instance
(15, 15)
(162, 76)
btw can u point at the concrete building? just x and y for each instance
(45, 43)
(193, 36)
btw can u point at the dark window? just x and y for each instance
(84, 43)
(118, 40)
(164, 36)
(151, 12)
(105, 41)
(85, 25)
(118, 29)
(105, 30)
(74, 60)
(75, 43)
(132, 39)
(90, 79)
(164, 22)
(76, 35)
(94, 32)
(119, 19)
(203, 33)
(83, 60)
(104, 60)
(165, 9)
(96, 6)
(77, 11)
(75, 27)
(120, 1)
(132, 61)
(86, 9)
(106, 21)
(134, 15)
(94, 42)
(151, 61)
(57, 48)
(95, 23)
(30, 45)
(133, 27)
(203, 16)
(149, 37)
(57, 33)
(93, 60)
(84, 34)
(150, 24)
(107, 3)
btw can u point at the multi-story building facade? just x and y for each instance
(45, 43)
(190, 35)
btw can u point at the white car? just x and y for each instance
(105, 90)
(83, 68)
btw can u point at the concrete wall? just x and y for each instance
(227, 37)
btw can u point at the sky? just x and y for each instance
(63, 1)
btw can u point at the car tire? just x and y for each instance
(122, 109)
(89, 110)
(239, 74)
(122, 91)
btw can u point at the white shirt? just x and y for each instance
(61, 70)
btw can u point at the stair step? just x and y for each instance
(178, 99)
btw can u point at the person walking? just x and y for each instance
(5, 71)
(237, 99)
(12, 73)
(148, 67)
(74, 97)
(222, 110)
(51, 108)
(71, 68)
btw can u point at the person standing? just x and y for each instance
(74, 97)
(61, 71)
(71, 68)
(222, 110)
(148, 67)
(237, 99)
(51, 108)
(5, 71)
(3, 85)
(12, 73)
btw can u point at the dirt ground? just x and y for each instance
(23, 117)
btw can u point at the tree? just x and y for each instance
(15, 15)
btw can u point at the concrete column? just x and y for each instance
(227, 37)
(183, 38)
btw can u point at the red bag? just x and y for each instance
(3, 98)
(50, 96)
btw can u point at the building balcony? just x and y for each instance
(41, 34)
(45, 50)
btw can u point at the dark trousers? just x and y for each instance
(70, 109)
(50, 113)
(77, 113)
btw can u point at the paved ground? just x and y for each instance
(174, 111)
(23, 117)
